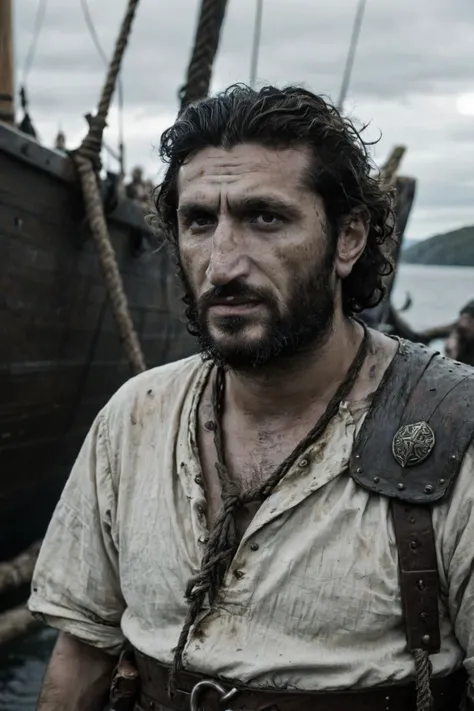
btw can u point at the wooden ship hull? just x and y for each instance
(60, 355)
(63, 302)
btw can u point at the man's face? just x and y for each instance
(256, 256)
(466, 327)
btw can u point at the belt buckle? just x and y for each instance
(224, 696)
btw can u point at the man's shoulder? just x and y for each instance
(445, 366)
(161, 387)
(439, 375)
(420, 417)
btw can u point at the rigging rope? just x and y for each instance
(92, 31)
(100, 51)
(26, 125)
(87, 159)
(87, 156)
(40, 15)
(206, 43)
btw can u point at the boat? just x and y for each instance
(61, 356)
(63, 349)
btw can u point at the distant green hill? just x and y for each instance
(452, 249)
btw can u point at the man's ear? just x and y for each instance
(351, 242)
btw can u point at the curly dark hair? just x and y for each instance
(341, 171)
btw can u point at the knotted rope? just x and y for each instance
(87, 159)
(224, 539)
(204, 51)
(424, 698)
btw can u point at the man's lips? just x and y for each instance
(234, 301)
(233, 305)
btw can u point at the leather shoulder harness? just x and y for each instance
(410, 449)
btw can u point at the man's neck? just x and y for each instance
(291, 386)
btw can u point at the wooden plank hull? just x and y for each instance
(60, 356)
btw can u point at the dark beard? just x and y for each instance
(304, 325)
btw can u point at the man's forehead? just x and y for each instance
(245, 165)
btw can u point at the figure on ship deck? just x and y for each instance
(460, 342)
(137, 188)
(288, 516)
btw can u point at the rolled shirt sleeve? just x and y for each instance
(457, 550)
(75, 586)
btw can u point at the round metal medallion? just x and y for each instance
(412, 444)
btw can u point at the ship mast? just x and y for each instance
(351, 54)
(7, 101)
(256, 43)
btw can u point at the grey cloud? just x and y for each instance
(464, 132)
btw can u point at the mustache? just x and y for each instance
(235, 289)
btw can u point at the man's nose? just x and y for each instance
(228, 260)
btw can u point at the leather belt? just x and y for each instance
(448, 694)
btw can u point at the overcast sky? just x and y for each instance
(413, 78)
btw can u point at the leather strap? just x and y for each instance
(419, 579)
(447, 693)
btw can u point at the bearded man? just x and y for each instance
(286, 521)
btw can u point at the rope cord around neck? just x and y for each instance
(224, 540)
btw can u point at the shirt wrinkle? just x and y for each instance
(316, 603)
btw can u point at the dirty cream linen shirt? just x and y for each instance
(312, 598)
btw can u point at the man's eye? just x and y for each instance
(197, 222)
(267, 219)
